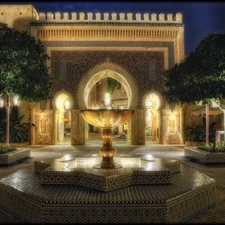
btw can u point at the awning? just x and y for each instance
(213, 111)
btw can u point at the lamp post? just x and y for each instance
(16, 102)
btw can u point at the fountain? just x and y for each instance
(94, 190)
(107, 119)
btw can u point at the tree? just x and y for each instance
(200, 77)
(112, 85)
(23, 70)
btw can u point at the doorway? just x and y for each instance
(62, 102)
(152, 104)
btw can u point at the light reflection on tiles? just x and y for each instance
(72, 162)
(85, 162)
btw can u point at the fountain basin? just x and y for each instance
(78, 170)
(146, 204)
(107, 119)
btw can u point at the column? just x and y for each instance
(77, 128)
(55, 127)
(138, 127)
(32, 120)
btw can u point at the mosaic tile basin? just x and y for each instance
(189, 194)
(80, 170)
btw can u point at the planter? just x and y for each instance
(204, 156)
(14, 156)
(191, 143)
(23, 144)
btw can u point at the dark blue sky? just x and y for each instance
(199, 18)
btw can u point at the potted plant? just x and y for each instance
(191, 134)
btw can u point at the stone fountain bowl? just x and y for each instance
(106, 118)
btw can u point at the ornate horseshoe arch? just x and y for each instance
(107, 70)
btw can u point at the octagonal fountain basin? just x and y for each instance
(107, 119)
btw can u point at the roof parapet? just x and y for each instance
(109, 17)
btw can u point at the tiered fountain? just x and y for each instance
(107, 172)
(107, 189)
(107, 119)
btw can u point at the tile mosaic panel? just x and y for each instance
(190, 194)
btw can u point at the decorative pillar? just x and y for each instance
(160, 126)
(61, 126)
(7, 120)
(181, 124)
(32, 120)
(55, 127)
(129, 130)
(77, 128)
(207, 124)
(138, 127)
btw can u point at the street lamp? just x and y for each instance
(16, 102)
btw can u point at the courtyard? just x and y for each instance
(176, 152)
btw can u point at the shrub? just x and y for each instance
(213, 147)
(5, 149)
(19, 132)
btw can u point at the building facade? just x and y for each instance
(85, 50)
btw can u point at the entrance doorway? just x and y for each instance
(152, 103)
(108, 93)
(63, 119)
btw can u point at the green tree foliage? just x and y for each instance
(23, 68)
(200, 76)
(112, 85)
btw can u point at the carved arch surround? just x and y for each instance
(107, 69)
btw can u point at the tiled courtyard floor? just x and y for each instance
(217, 172)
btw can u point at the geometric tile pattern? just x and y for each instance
(70, 170)
(11, 157)
(146, 44)
(136, 63)
(189, 194)
(204, 156)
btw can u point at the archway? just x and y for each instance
(97, 76)
(152, 102)
(62, 103)
(107, 69)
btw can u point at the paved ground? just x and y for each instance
(217, 172)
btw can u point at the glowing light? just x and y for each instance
(107, 99)
(58, 103)
(16, 100)
(67, 104)
(1, 102)
(148, 103)
(43, 116)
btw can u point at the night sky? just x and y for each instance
(199, 18)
